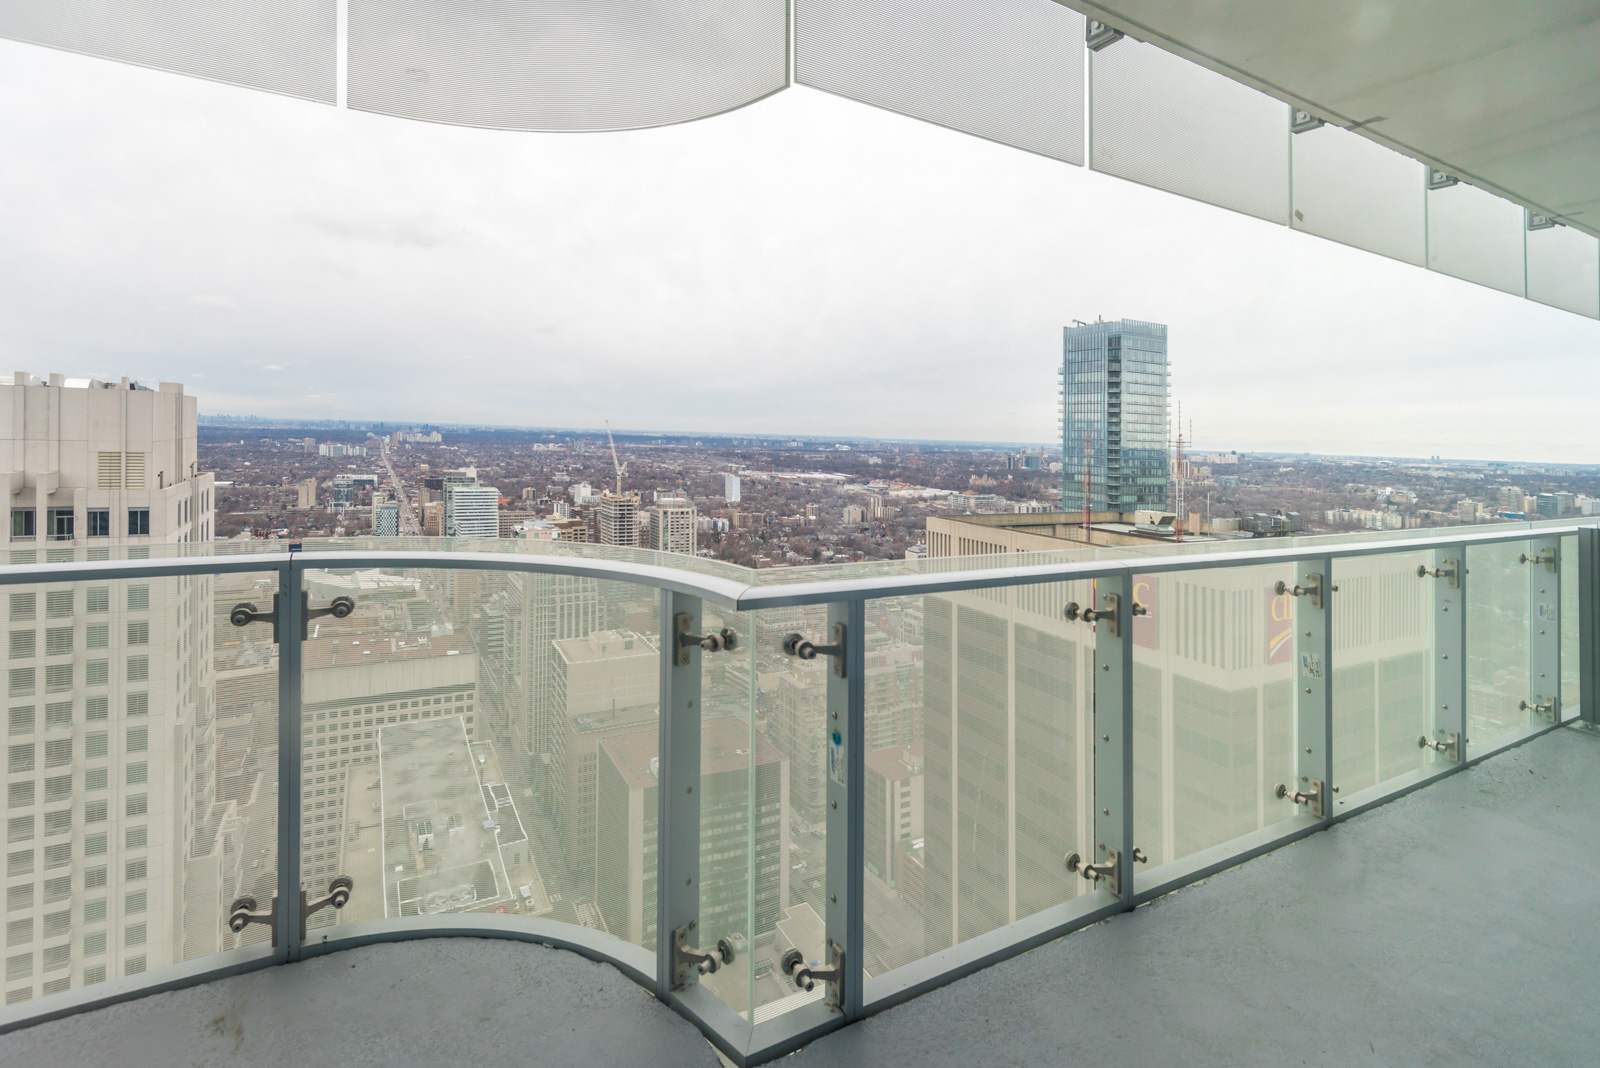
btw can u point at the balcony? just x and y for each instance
(1083, 732)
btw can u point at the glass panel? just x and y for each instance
(980, 764)
(1382, 667)
(1498, 641)
(1163, 121)
(1564, 269)
(1009, 70)
(1214, 721)
(790, 704)
(483, 741)
(284, 47)
(1357, 192)
(1571, 695)
(1476, 236)
(139, 795)
(565, 65)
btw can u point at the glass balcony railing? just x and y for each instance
(778, 800)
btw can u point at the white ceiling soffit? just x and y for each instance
(1505, 96)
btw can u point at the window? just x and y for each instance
(135, 903)
(58, 789)
(58, 715)
(23, 607)
(20, 759)
(93, 946)
(138, 704)
(138, 774)
(99, 522)
(19, 863)
(96, 636)
(94, 845)
(19, 967)
(19, 932)
(94, 878)
(133, 966)
(138, 740)
(95, 708)
(57, 856)
(134, 870)
(97, 673)
(57, 678)
(19, 897)
(94, 779)
(95, 744)
(138, 598)
(22, 644)
(138, 668)
(97, 974)
(137, 805)
(60, 524)
(22, 523)
(21, 681)
(57, 889)
(139, 632)
(20, 794)
(94, 911)
(95, 811)
(58, 641)
(19, 829)
(138, 522)
(58, 604)
(98, 599)
(22, 720)
(58, 752)
(57, 822)
(57, 957)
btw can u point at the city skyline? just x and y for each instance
(324, 262)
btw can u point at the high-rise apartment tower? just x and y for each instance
(1114, 394)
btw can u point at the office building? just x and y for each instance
(385, 518)
(1114, 393)
(433, 519)
(619, 518)
(121, 852)
(673, 528)
(730, 488)
(893, 792)
(337, 449)
(471, 511)
(306, 494)
(738, 779)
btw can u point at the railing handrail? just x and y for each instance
(746, 596)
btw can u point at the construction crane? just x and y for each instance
(621, 467)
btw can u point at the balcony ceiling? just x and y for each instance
(1506, 96)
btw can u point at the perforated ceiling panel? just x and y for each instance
(564, 64)
(283, 46)
(1007, 70)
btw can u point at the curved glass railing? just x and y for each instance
(229, 756)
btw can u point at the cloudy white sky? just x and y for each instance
(806, 265)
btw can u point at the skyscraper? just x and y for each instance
(619, 519)
(672, 525)
(472, 511)
(1114, 394)
(122, 849)
(730, 488)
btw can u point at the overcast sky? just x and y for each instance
(806, 265)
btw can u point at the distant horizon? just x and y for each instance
(408, 425)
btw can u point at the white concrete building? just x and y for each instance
(472, 511)
(120, 843)
(673, 527)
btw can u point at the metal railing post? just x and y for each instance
(1449, 577)
(1113, 733)
(678, 792)
(289, 623)
(1544, 622)
(1313, 674)
(846, 835)
(1588, 564)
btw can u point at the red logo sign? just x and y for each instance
(501, 910)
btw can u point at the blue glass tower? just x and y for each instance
(1114, 416)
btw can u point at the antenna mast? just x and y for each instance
(1177, 476)
(621, 467)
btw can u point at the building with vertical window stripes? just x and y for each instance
(1114, 408)
(113, 812)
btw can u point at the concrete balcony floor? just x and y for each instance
(1452, 926)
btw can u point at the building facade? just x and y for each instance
(619, 519)
(673, 526)
(472, 511)
(1115, 399)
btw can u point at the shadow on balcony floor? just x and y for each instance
(1448, 927)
